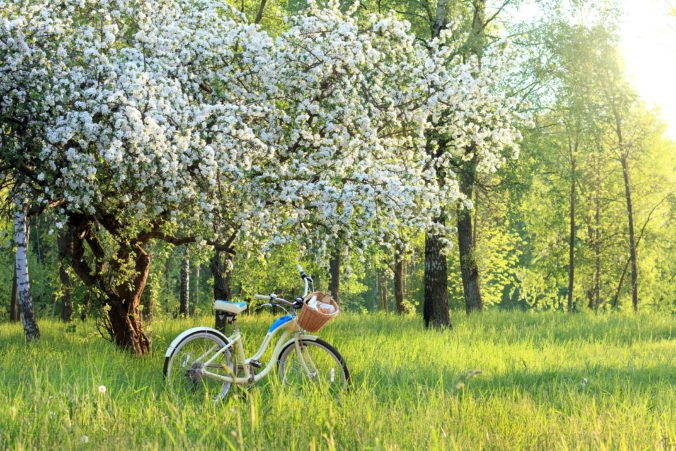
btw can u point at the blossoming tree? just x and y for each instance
(105, 106)
(474, 125)
(179, 121)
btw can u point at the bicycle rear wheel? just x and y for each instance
(313, 364)
(184, 369)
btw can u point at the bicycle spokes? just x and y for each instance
(311, 364)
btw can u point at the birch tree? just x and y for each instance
(23, 289)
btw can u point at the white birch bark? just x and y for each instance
(25, 301)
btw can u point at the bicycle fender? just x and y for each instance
(185, 334)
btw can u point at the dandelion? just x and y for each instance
(102, 389)
(459, 386)
(84, 439)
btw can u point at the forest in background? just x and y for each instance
(582, 219)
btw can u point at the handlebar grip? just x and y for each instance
(264, 297)
(302, 273)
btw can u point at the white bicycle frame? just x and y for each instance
(236, 344)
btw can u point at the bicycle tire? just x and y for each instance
(188, 382)
(325, 361)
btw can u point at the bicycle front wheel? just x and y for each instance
(187, 370)
(313, 364)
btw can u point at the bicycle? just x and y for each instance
(204, 362)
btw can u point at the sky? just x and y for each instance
(648, 41)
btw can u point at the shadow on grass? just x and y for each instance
(547, 385)
(539, 328)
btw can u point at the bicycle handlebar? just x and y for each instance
(274, 299)
(302, 273)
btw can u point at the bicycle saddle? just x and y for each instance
(230, 307)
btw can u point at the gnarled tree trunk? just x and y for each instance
(123, 320)
(125, 323)
(25, 300)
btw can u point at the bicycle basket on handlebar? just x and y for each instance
(318, 309)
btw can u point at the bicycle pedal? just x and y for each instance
(255, 363)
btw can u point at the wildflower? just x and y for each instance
(84, 439)
(102, 389)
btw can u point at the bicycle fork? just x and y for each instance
(305, 360)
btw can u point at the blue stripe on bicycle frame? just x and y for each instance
(280, 322)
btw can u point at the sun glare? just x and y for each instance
(649, 47)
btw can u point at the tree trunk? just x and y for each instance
(64, 278)
(632, 238)
(66, 303)
(376, 289)
(597, 237)
(334, 275)
(441, 19)
(435, 306)
(469, 268)
(221, 270)
(86, 304)
(571, 240)
(184, 308)
(13, 308)
(38, 250)
(259, 14)
(399, 275)
(383, 293)
(197, 287)
(25, 301)
(125, 320)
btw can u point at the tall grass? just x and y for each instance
(497, 380)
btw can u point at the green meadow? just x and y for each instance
(497, 380)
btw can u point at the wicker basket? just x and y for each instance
(313, 320)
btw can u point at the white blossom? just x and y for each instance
(204, 121)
